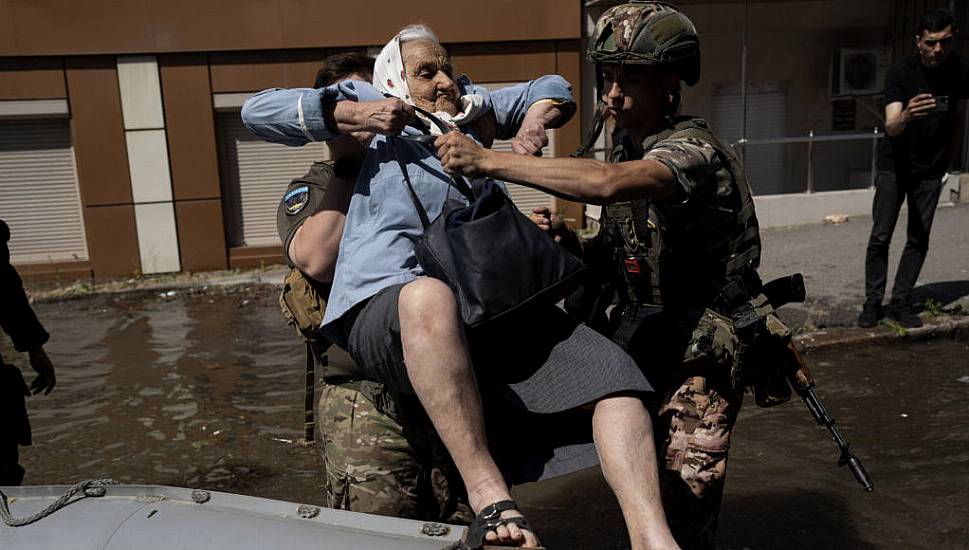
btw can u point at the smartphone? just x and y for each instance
(941, 104)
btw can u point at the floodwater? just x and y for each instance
(204, 389)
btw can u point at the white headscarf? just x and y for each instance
(389, 77)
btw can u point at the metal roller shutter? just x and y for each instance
(763, 163)
(254, 175)
(525, 198)
(39, 197)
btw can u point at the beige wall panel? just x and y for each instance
(98, 131)
(513, 62)
(32, 77)
(190, 127)
(112, 240)
(30, 108)
(201, 235)
(252, 71)
(48, 27)
(157, 237)
(81, 26)
(141, 102)
(151, 180)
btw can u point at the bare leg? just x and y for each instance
(624, 438)
(439, 369)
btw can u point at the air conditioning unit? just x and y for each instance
(859, 71)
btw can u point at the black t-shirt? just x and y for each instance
(923, 149)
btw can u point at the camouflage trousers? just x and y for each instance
(379, 466)
(697, 416)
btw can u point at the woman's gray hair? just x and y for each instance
(417, 31)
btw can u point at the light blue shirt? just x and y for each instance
(382, 224)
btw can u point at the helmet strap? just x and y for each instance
(598, 121)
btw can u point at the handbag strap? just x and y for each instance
(457, 180)
(421, 212)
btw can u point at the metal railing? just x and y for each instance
(876, 134)
(740, 145)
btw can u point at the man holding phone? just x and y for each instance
(922, 94)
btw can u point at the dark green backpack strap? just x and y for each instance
(309, 400)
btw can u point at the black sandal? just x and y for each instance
(487, 520)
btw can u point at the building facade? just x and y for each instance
(122, 151)
(121, 147)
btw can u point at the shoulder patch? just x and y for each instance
(296, 200)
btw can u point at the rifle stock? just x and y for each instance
(803, 383)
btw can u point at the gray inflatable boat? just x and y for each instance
(155, 517)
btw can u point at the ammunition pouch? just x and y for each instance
(715, 348)
(761, 355)
(303, 303)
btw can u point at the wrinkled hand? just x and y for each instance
(920, 105)
(547, 220)
(46, 380)
(530, 140)
(385, 116)
(459, 154)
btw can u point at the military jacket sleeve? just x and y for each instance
(16, 316)
(696, 164)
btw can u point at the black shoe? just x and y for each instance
(904, 314)
(870, 314)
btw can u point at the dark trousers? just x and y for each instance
(14, 427)
(922, 197)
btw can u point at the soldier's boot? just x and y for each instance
(871, 312)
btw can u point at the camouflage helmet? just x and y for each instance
(647, 33)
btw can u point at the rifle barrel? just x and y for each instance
(847, 456)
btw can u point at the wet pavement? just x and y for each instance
(203, 388)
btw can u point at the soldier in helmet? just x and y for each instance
(678, 248)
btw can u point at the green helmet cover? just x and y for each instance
(647, 33)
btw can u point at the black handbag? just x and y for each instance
(495, 259)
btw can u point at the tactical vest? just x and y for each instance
(672, 255)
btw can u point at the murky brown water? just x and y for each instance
(189, 390)
(205, 390)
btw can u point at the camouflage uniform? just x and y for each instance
(378, 465)
(381, 455)
(670, 252)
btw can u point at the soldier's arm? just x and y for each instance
(314, 247)
(584, 180)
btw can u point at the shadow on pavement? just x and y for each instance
(792, 521)
(945, 293)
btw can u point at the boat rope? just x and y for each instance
(89, 488)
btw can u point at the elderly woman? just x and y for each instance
(541, 372)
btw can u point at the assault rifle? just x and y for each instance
(791, 289)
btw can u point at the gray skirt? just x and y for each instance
(536, 371)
